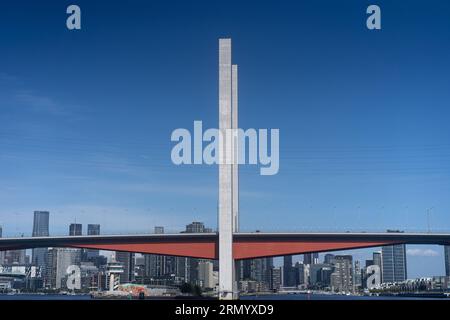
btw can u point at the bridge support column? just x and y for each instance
(235, 168)
(226, 264)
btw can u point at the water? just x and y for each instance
(330, 297)
(44, 297)
(260, 297)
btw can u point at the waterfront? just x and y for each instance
(305, 297)
(10, 297)
(319, 297)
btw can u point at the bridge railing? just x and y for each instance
(250, 230)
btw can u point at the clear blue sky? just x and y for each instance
(86, 116)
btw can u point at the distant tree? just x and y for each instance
(186, 288)
(196, 291)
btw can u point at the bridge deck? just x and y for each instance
(245, 245)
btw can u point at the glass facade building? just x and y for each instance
(394, 263)
(40, 229)
(447, 260)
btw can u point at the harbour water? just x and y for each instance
(43, 297)
(332, 297)
(255, 297)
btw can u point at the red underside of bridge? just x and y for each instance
(241, 249)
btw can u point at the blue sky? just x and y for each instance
(86, 116)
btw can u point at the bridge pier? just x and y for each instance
(226, 265)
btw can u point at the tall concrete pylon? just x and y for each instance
(235, 169)
(228, 193)
(235, 165)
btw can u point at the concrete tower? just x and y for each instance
(235, 165)
(235, 168)
(228, 198)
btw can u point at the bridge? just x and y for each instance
(245, 245)
(228, 244)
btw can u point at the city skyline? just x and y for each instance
(414, 254)
(338, 169)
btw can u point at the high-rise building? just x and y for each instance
(447, 260)
(369, 263)
(320, 275)
(40, 224)
(40, 229)
(58, 260)
(289, 275)
(50, 270)
(328, 258)
(377, 260)
(357, 275)
(92, 230)
(244, 269)
(275, 278)
(158, 267)
(394, 263)
(15, 257)
(140, 268)
(75, 229)
(186, 269)
(302, 271)
(342, 277)
(2, 253)
(307, 258)
(311, 258)
(260, 270)
(127, 261)
(183, 269)
(197, 227)
(89, 274)
(205, 274)
(159, 230)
